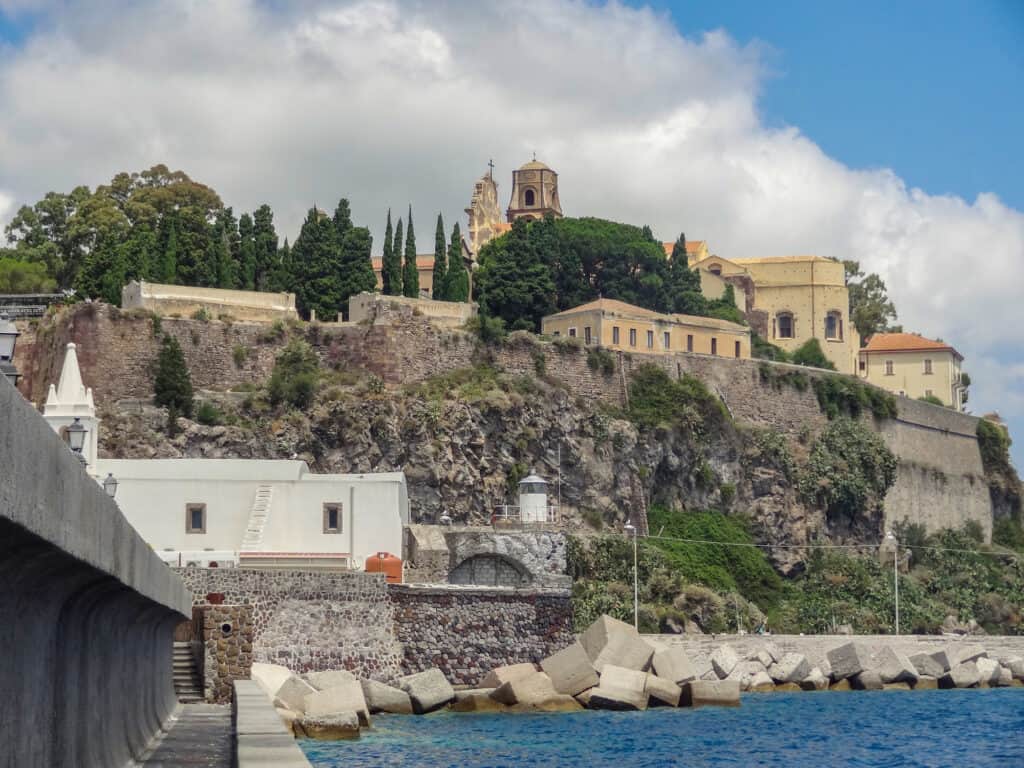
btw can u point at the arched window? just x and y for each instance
(784, 325)
(528, 197)
(834, 325)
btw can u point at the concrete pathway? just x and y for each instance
(199, 735)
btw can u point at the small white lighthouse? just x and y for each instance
(533, 499)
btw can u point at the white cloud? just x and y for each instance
(390, 104)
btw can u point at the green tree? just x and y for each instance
(357, 273)
(440, 261)
(456, 283)
(810, 353)
(172, 384)
(280, 277)
(390, 263)
(342, 219)
(219, 256)
(18, 276)
(871, 310)
(683, 284)
(396, 257)
(246, 253)
(294, 378)
(514, 283)
(168, 271)
(316, 267)
(41, 234)
(266, 259)
(410, 272)
(140, 252)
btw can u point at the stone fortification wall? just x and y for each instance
(308, 620)
(467, 631)
(376, 308)
(88, 609)
(254, 306)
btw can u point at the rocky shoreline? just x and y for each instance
(610, 666)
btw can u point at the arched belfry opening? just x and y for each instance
(534, 192)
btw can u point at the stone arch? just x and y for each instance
(490, 570)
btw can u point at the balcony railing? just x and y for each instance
(509, 515)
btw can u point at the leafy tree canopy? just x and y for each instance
(871, 310)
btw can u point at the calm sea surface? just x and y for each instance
(925, 728)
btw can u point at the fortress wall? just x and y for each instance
(88, 609)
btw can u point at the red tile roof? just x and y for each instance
(906, 342)
(692, 246)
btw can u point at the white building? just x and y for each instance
(247, 512)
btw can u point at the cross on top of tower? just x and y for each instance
(490, 167)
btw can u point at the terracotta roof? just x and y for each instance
(622, 308)
(905, 342)
(778, 259)
(692, 246)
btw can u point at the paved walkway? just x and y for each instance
(199, 735)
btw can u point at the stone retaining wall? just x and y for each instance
(228, 647)
(467, 631)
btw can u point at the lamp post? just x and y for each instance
(76, 438)
(8, 338)
(630, 528)
(110, 485)
(895, 574)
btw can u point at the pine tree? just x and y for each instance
(390, 272)
(342, 219)
(396, 260)
(440, 262)
(356, 266)
(266, 259)
(169, 261)
(456, 286)
(410, 273)
(316, 262)
(172, 385)
(246, 253)
(514, 282)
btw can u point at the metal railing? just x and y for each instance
(508, 514)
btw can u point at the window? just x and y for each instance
(528, 197)
(332, 517)
(195, 518)
(667, 340)
(888, 368)
(714, 346)
(586, 334)
(615, 334)
(785, 325)
(689, 342)
(715, 269)
(834, 326)
(572, 333)
(557, 333)
(927, 367)
(863, 364)
(632, 337)
(650, 339)
(737, 349)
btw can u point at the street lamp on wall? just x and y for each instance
(629, 528)
(110, 485)
(76, 438)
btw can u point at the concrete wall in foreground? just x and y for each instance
(87, 610)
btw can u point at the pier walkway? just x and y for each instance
(199, 735)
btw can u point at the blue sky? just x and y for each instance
(933, 90)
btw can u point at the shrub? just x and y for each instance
(1008, 533)
(600, 359)
(765, 350)
(810, 353)
(994, 444)
(540, 362)
(240, 354)
(932, 400)
(655, 398)
(295, 376)
(209, 414)
(490, 330)
(845, 396)
(157, 325)
(277, 331)
(728, 492)
(201, 315)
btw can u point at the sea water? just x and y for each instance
(957, 728)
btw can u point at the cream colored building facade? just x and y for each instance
(911, 365)
(186, 300)
(628, 328)
(792, 299)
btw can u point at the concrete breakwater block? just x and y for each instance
(724, 660)
(570, 670)
(791, 668)
(343, 697)
(384, 698)
(330, 679)
(988, 671)
(662, 691)
(292, 694)
(531, 689)
(340, 725)
(868, 680)
(428, 690)
(606, 697)
(961, 676)
(269, 677)
(610, 641)
(926, 665)
(498, 676)
(894, 667)
(848, 660)
(718, 693)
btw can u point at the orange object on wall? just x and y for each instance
(386, 563)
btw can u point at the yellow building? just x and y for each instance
(792, 299)
(621, 326)
(913, 366)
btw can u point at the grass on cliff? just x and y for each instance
(656, 399)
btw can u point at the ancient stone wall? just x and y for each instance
(467, 631)
(228, 647)
(308, 620)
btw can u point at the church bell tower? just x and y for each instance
(534, 193)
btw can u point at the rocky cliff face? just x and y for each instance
(464, 447)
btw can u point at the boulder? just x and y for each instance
(1016, 666)
(292, 694)
(560, 702)
(896, 686)
(848, 660)
(475, 701)
(626, 679)
(815, 681)
(926, 683)
(345, 697)
(331, 679)
(894, 667)
(761, 682)
(925, 664)
(961, 676)
(763, 657)
(525, 690)
(967, 653)
(721, 693)
(570, 670)
(498, 676)
(604, 697)
(723, 660)
(791, 668)
(428, 690)
(384, 698)
(945, 659)
(674, 664)
(662, 691)
(868, 680)
(988, 671)
(269, 677)
(610, 641)
(788, 688)
(1005, 677)
(340, 725)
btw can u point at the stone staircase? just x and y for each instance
(188, 684)
(253, 539)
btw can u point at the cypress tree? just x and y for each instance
(683, 285)
(439, 290)
(390, 273)
(139, 253)
(342, 219)
(396, 258)
(266, 259)
(172, 385)
(246, 253)
(317, 273)
(356, 266)
(410, 274)
(279, 277)
(457, 280)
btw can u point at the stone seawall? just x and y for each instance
(308, 620)
(88, 610)
(467, 631)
